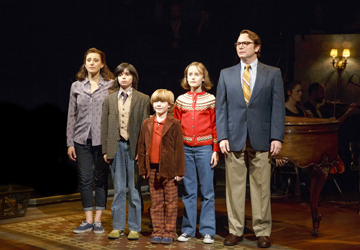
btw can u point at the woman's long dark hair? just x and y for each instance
(289, 86)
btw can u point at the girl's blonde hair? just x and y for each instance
(163, 95)
(206, 84)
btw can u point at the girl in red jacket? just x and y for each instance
(196, 112)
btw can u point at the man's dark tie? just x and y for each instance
(125, 96)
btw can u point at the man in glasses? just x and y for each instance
(250, 123)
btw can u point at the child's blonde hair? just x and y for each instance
(163, 95)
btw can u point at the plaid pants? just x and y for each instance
(164, 205)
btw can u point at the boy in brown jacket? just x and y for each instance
(162, 162)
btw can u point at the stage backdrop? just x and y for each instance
(313, 64)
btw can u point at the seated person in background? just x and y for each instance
(293, 94)
(316, 96)
(348, 133)
(293, 107)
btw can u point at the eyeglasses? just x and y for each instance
(244, 44)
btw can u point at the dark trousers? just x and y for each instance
(92, 168)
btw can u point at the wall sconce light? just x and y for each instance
(340, 65)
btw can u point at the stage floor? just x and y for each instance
(50, 227)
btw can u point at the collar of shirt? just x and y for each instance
(100, 83)
(252, 70)
(129, 93)
(158, 126)
(196, 93)
(156, 121)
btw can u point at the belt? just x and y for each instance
(122, 139)
(154, 165)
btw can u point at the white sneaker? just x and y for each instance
(184, 237)
(208, 239)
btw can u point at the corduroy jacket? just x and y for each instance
(172, 156)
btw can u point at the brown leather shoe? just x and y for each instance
(264, 241)
(232, 240)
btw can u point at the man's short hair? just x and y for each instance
(254, 37)
(313, 87)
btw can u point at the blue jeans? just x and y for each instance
(87, 157)
(122, 171)
(197, 162)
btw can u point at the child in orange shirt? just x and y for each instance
(162, 161)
